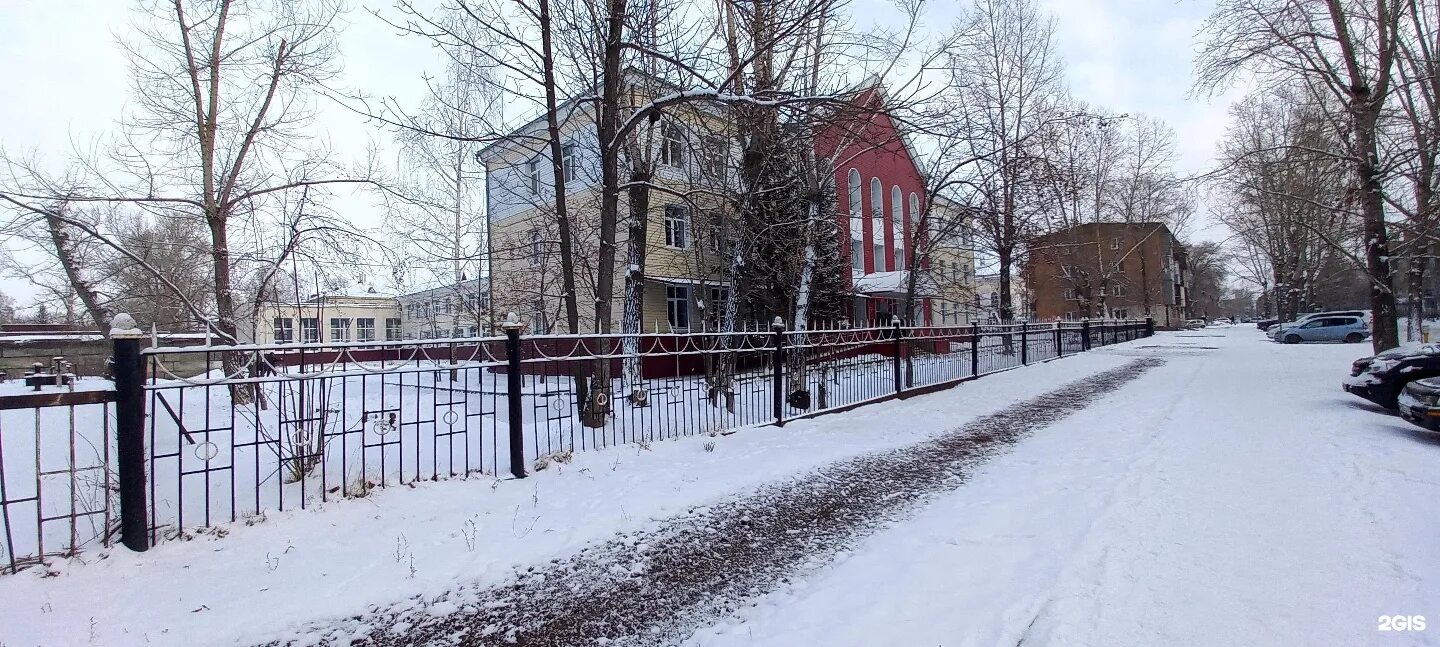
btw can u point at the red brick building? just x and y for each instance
(1109, 270)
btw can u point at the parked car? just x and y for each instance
(1194, 324)
(1274, 331)
(1351, 330)
(1420, 403)
(1265, 324)
(1380, 379)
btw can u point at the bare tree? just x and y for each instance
(223, 98)
(1007, 77)
(1343, 53)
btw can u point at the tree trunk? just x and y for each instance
(65, 251)
(597, 409)
(630, 323)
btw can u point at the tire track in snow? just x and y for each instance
(656, 587)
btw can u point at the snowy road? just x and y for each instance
(1233, 497)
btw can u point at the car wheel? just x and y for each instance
(1354, 338)
(1292, 339)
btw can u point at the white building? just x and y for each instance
(329, 318)
(459, 310)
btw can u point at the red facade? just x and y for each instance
(867, 145)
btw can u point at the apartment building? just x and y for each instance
(687, 243)
(1109, 269)
(683, 282)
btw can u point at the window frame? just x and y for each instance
(532, 175)
(288, 330)
(672, 144)
(677, 307)
(569, 165)
(394, 328)
(879, 262)
(360, 329)
(309, 325)
(341, 332)
(677, 226)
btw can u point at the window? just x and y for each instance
(1120, 314)
(672, 145)
(532, 175)
(940, 269)
(715, 308)
(339, 329)
(677, 226)
(995, 299)
(284, 330)
(1114, 243)
(677, 305)
(310, 330)
(1117, 290)
(365, 329)
(715, 156)
(877, 224)
(392, 329)
(721, 242)
(857, 219)
(569, 162)
(537, 248)
(1120, 265)
(897, 223)
(1070, 294)
(538, 321)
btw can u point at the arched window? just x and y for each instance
(897, 224)
(857, 219)
(912, 223)
(877, 223)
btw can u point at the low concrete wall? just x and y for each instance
(88, 355)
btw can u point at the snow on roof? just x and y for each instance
(893, 282)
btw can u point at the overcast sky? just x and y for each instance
(64, 80)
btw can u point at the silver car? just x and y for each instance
(1347, 329)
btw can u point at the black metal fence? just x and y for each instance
(285, 425)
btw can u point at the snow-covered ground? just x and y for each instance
(1233, 495)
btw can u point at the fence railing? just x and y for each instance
(284, 425)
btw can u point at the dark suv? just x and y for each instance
(1380, 379)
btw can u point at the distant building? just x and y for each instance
(985, 306)
(459, 310)
(1109, 270)
(337, 317)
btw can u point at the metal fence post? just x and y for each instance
(1085, 335)
(779, 388)
(129, 370)
(1024, 344)
(513, 383)
(1149, 326)
(897, 332)
(974, 349)
(1059, 341)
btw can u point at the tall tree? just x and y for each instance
(1343, 53)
